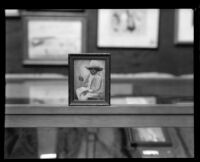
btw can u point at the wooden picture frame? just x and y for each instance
(128, 28)
(160, 140)
(184, 26)
(49, 39)
(85, 87)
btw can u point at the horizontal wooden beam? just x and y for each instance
(162, 109)
(99, 120)
(95, 116)
(117, 77)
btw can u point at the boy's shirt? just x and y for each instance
(92, 87)
(94, 82)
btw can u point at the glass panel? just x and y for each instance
(37, 92)
(98, 143)
(56, 92)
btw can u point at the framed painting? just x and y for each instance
(89, 79)
(49, 39)
(184, 26)
(148, 137)
(128, 28)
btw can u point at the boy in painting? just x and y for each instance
(92, 88)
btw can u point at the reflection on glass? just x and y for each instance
(150, 134)
(44, 142)
(134, 100)
(48, 156)
(48, 94)
(56, 92)
(150, 152)
(93, 143)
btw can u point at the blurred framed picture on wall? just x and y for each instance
(128, 28)
(184, 26)
(89, 79)
(149, 137)
(49, 39)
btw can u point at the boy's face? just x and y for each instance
(93, 71)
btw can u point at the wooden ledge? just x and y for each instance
(162, 109)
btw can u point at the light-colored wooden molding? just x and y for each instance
(128, 109)
(159, 76)
(99, 121)
(95, 116)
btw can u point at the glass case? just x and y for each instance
(147, 118)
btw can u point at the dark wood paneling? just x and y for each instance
(168, 57)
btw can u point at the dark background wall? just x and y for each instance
(167, 58)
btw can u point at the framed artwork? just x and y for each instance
(128, 28)
(49, 39)
(184, 26)
(89, 79)
(149, 137)
(12, 13)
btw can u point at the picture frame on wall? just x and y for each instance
(49, 39)
(89, 79)
(184, 26)
(128, 28)
(148, 137)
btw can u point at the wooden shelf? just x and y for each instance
(95, 116)
(162, 109)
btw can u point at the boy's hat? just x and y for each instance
(95, 65)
